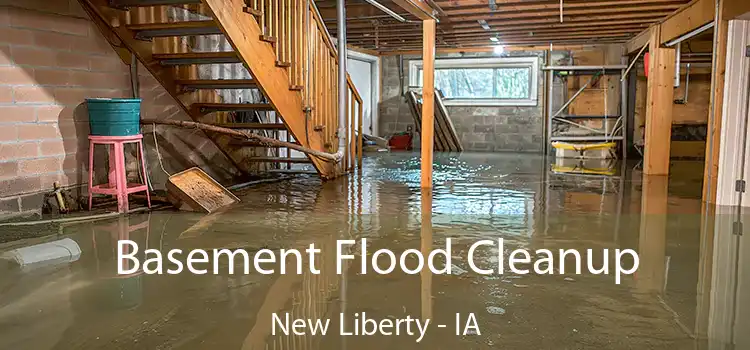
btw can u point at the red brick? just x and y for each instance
(6, 94)
(8, 170)
(16, 36)
(52, 147)
(4, 18)
(107, 64)
(52, 113)
(51, 40)
(33, 95)
(55, 77)
(5, 58)
(16, 76)
(92, 44)
(20, 185)
(40, 165)
(71, 96)
(37, 131)
(12, 151)
(70, 25)
(10, 133)
(75, 161)
(72, 60)
(74, 130)
(33, 57)
(55, 23)
(12, 114)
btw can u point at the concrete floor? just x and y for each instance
(684, 296)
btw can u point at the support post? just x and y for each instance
(715, 112)
(659, 102)
(428, 100)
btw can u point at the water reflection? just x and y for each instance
(687, 294)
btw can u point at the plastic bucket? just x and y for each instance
(114, 116)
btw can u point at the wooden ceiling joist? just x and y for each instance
(514, 22)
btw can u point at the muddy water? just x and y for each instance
(690, 291)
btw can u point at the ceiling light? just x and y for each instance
(493, 39)
(498, 50)
(484, 24)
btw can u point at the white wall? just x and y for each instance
(365, 73)
(733, 150)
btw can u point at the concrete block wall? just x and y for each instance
(480, 128)
(52, 57)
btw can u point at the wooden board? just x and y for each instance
(195, 190)
(446, 137)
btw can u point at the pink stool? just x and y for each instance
(118, 182)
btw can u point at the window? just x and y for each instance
(510, 81)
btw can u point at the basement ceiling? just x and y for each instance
(472, 23)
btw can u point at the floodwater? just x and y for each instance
(690, 290)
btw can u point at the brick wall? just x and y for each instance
(52, 58)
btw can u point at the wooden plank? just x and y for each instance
(418, 8)
(428, 100)
(295, 160)
(252, 126)
(259, 57)
(659, 101)
(688, 18)
(455, 140)
(218, 83)
(638, 42)
(716, 116)
(197, 57)
(231, 107)
(734, 8)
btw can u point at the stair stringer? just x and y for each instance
(259, 57)
(111, 26)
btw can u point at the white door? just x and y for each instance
(361, 74)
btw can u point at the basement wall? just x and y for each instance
(52, 57)
(480, 128)
(497, 129)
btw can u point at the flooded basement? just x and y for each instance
(688, 292)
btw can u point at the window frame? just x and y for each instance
(493, 62)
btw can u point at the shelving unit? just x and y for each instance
(619, 133)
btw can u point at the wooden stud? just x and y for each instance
(659, 102)
(716, 109)
(428, 100)
(652, 238)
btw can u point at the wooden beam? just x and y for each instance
(428, 101)
(659, 102)
(688, 18)
(734, 8)
(418, 8)
(716, 109)
(638, 42)
(259, 58)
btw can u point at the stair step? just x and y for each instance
(293, 171)
(187, 58)
(146, 3)
(159, 30)
(252, 126)
(232, 107)
(297, 160)
(218, 84)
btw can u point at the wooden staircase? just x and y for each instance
(287, 81)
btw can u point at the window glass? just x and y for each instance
(482, 83)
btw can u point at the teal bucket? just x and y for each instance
(114, 116)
